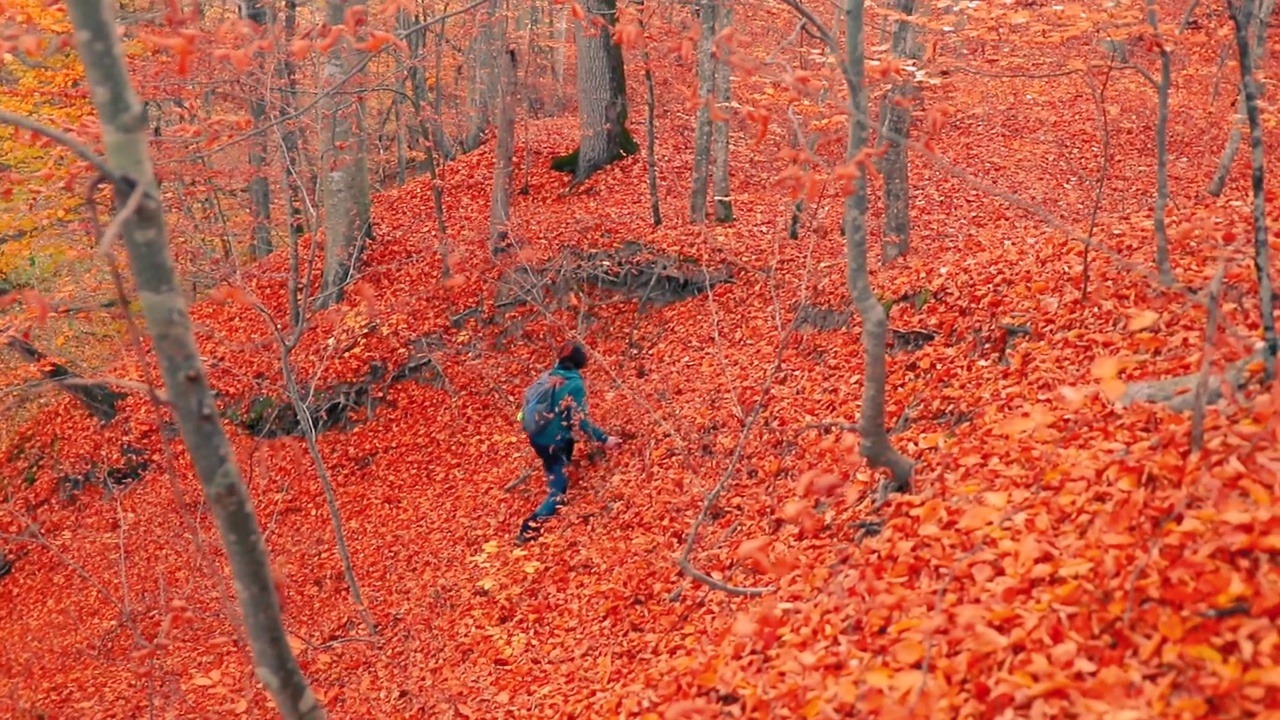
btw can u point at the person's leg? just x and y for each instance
(553, 465)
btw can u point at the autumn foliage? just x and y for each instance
(1063, 553)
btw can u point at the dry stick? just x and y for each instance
(1138, 569)
(1104, 127)
(684, 562)
(937, 606)
(154, 395)
(1206, 360)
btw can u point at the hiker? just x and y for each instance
(553, 405)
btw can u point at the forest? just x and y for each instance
(939, 338)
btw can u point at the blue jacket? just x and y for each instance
(571, 398)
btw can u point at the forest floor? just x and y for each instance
(1059, 556)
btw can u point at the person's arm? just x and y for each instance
(577, 393)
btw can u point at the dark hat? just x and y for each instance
(572, 356)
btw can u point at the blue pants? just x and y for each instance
(555, 461)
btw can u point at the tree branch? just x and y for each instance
(81, 150)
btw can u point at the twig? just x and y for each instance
(1104, 128)
(80, 149)
(937, 606)
(688, 569)
(1206, 360)
(710, 500)
(1133, 580)
(524, 478)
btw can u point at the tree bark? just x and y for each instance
(288, 74)
(1162, 152)
(895, 114)
(602, 91)
(559, 38)
(344, 164)
(482, 89)
(722, 202)
(429, 132)
(504, 147)
(1242, 17)
(1257, 48)
(99, 399)
(702, 124)
(876, 446)
(165, 308)
(259, 189)
(650, 130)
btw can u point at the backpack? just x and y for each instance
(540, 408)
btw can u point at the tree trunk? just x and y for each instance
(259, 190)
(723, 203)
(287, 71)
(1162, 153)
(98, 398)
(443, 144)
(345, 172)
(422, 98)
(429, 132)
(1242, 17)
(482, 88)
(402, 150)
(895, 114)
(876, 446)
(559, 38)
(650, 130)
(1258, 51)
(702, 124)
(165, 309)
(602, 91)
(504, 147)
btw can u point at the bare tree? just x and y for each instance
(876, 446)
(344, 168)
(1256, 50)
(287, 73)
(702, 124)
(482, 86)
(1242, 16)
(429, 133)
(1162, 149)
(259, 189)
(650, 131)
(721, 83)
(142, 224)
(895, 118)
(504, 148)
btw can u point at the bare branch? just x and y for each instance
(80, 149)
(1206, 360)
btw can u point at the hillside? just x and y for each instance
(1059, 556)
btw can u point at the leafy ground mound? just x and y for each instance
(1059, 557)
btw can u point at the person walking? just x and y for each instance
(554, 406)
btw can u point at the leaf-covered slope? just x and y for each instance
(1058, 555)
